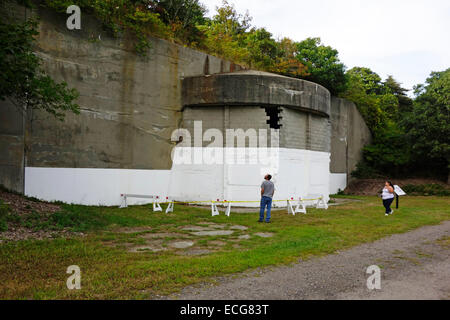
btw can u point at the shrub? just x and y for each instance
(365, 171)
(432, 189)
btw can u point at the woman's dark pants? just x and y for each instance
(387, 204)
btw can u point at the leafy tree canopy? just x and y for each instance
(428, 125)
(370, 80)
(323, 64)
(22, 80)
(394, 87)
(415, 140)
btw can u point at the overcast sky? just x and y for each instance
(404, 38)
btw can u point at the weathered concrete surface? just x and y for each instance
(251, 118)
(299, 129)
(238, 101)
(11, 123)
(129, 104)
(12, 147)
(213, 233)
(249, 87)
(349, 134)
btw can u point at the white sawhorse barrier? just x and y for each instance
(228, 211)
(299, 208)
(124, 196)
(170, 207)
(321, 204)
(156, 201)
(215, 211)
(301, 205)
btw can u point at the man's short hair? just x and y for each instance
(269, 176)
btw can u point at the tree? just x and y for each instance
(428, 125)
(234, 23)
(286, 63)
(389, 153)
(416, 141)
(262, 49)
(22, 80)
(225, 33)
(404, 102)
(370, 80)
(377, 103)
(323, 65)
(368, 104)
(230, 35)
(182, 16)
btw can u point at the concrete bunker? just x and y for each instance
(121, 141)
(297, 110)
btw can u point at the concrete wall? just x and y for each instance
(300, 107)
(299, 173)
(222, 118)
(295, 173)
(12, 147)
(11, 124)
(129, 104)
(244, 101)
(250, 87)
(299, 129)
(349, 134)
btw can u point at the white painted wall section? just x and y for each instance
(295, 173)
(337, 181)
(94, 186)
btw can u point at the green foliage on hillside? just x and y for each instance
(432, 189)
(410, 137)
(427, 125)
(323, 65)
(228, 34)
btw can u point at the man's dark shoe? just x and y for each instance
(260, 221)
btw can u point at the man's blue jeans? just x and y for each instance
(265, 201)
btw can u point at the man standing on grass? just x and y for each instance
(267, 191)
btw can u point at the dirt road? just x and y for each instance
(414, 265)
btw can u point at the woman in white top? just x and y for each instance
(388, 197)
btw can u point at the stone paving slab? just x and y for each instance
(213, 233)
(181, 244)
(264, 234)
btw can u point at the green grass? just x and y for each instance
(35, 269)
(6, 215)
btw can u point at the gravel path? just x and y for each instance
(414, 265)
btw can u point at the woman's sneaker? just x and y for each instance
(392, 211)
(386, 214)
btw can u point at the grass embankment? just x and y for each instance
(36, 269)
